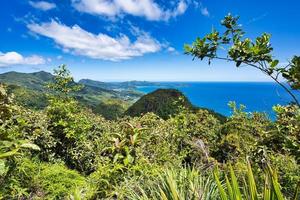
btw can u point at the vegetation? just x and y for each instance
(65, 151)
(250, 190)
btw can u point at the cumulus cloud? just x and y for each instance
(14, 58)
(42, 5)
(98, 46)
(142, 8)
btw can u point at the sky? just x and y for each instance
(121, 40)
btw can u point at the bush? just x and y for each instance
(33, 180)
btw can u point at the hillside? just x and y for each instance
(164, 103)
(36, 80)
(25, 86)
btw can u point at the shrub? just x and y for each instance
(33, 180)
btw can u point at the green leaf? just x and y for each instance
(3, 168)
(9, 154)
(235, 185)
(220, 187)
(30, 146)
(251, 183)
(275, 184)
(274, 63)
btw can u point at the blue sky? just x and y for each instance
(118, 40)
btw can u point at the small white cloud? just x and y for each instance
(171, 49)
(204, 11)
(142, 8)
(42, 5)
(78, 41)
(181, 8)
(59, 57)
(14, 58)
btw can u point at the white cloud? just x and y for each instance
(14, 58)
(198, 4)
(142, 8)
(204, 11)
(42, 5)
(171, 49)
(59, 57)
(81, 42)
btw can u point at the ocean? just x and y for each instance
(256, 96)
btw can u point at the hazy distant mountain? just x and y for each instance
(127, 85)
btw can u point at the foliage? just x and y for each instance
(111, 108)
(250, 188)
(286, 138)
(5, 103)
(33, 180)
(292, 74)
(241, 135)
(244, 51)
(28, 98)
(67, 152)
(195, 134)
(63, 81)
(175, 184)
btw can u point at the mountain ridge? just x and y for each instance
(27, 85)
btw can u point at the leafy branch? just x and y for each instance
(244, 51)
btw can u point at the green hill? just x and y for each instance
(36, 80)
(165, 103)
(30, 90)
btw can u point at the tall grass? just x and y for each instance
(248, 190)
(190, 184)
(176, 184)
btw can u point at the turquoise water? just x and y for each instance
(216, 95)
